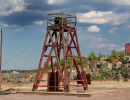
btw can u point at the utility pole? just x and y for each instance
(1, 59)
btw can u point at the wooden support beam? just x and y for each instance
(1, 59)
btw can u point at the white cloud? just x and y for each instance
(9, 6)
(113, 30)
(94, 28)
(107, 45)
(121, 49)
(128, 26)
(3, 24)
(92, 38)
(55, 2)
(97, 42)
(98, 17)
(120, 2)
(39, 22)
(18, 30)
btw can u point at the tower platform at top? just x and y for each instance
(58, 21)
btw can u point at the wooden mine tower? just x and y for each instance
(61, 43)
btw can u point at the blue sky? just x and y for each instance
(103, 25)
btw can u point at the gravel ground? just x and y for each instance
(122, 94)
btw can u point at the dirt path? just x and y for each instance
(122, 94)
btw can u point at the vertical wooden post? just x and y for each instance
(1, 59)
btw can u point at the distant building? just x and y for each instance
(127, 48)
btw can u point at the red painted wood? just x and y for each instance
(58, 46)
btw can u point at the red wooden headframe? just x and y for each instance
(61, 42)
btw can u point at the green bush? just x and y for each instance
(104, 73)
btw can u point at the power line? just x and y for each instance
(19, 54)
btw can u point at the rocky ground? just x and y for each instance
(17, 77)
(100, 90)
(120, 94)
